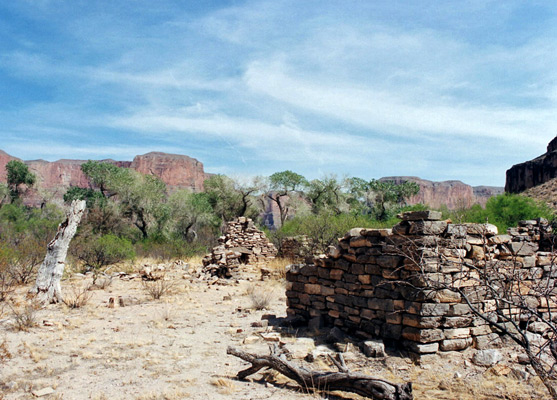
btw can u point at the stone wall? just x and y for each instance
(402, 283)
(242, 243)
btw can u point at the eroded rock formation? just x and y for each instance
(534, 172)
(453, 194)
(54, 178)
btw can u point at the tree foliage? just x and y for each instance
(18, 174)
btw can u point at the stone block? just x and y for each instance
(377, 232)
(420, 216)
(488, 341)
(310, 288)
(390, 331)
(499, 239)
(365, 279)
(523, 248)
(447, 296)
(427, 227)
(421, 348)
(456, 230)
(455, 344)
(457, 322)
(457, 333)
(374, 348)
(481, 229)
(487, 358)
(336, 274)
(421, 322)
(360, 241)
(354, 232)
(422, 335)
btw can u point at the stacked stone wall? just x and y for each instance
(407, 283)
(242, 243)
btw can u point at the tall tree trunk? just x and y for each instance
(47, 286)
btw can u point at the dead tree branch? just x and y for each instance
(364, 385)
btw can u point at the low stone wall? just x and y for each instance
(242, 243)
(295, 248)
(402, 283)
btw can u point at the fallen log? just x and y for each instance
(344, 380)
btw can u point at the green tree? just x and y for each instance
(103, 175)
(18, 174)
(380, 199)
(283, 187)
(230, 198)
(326, 194)
(91, 196)
(189, 212)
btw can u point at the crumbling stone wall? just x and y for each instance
(242, 243)
(295, 248)
(376, 282)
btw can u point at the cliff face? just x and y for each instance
(533, 173)
(453, 194)
(177, 171)
(54, 178)
(4, 159)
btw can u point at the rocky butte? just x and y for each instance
(534, 172)
(54, 178)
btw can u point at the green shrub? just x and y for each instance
(162, 248)
(100, 251)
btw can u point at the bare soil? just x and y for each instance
(175, 347)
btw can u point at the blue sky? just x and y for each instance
(440, 90)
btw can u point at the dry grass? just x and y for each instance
(225, 385)
(278, 268)
(157, 289)
(77, 297)
(260, 297)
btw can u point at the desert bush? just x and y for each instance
(100, 251)
(25, 318)
(77, 297)
(162, 248)
(157, 289)
(504, 211)
(7, 282)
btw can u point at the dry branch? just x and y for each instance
(343, 380)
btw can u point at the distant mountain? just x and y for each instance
(453, 194)
(54, 178)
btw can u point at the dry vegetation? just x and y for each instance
(175, 347)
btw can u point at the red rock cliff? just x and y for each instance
(453, 194)
(177, 171)
(54, 178)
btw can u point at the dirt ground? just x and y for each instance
(175, 347)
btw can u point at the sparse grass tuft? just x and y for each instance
(4, 352)
(277, 267)
(225, 385)
(157, 289)
(78, 297)
(260, 297)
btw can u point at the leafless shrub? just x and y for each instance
(102, 283)
(157, 289)
(25, 318)
(77, 297)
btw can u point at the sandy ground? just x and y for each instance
(175, 348)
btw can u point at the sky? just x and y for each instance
(443, 90)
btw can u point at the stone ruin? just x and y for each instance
(242, 243)
(376, 282)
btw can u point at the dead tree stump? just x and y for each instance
(47, 286)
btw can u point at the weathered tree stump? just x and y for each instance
(47, 286)
(344, 380)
